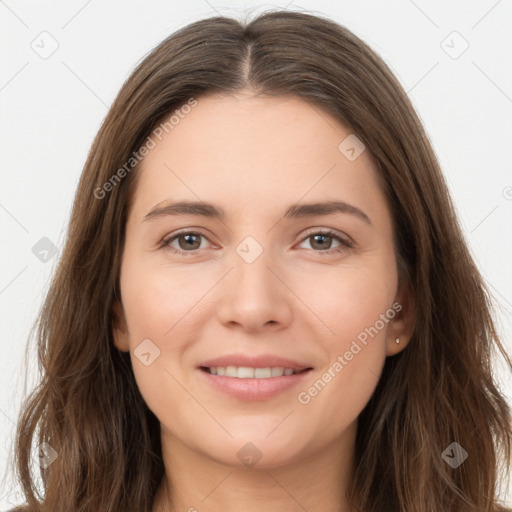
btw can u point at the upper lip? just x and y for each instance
(262, 361)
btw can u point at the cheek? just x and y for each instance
(157, 297)
(162, 306)
(350, 299)
(356, 304)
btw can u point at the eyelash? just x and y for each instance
(345, 242)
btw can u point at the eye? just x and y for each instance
(188, 242)
(321, 241)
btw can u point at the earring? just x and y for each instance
(397, 340)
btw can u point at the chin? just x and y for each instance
(257, 451)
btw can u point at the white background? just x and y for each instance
(52, 108)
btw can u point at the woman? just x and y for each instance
(265, 301)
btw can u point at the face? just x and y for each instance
(224, 299)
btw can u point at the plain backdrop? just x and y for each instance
(64, 62)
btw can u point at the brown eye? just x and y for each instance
(188, 242)
(322, 242)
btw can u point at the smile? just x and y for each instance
(246, 372)
(253, 378)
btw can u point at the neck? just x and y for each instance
(195, 482)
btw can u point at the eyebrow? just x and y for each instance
(293, 212)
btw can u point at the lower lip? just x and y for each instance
(254, 389)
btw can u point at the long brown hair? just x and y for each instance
(439, 390)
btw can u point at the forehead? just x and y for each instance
(245, 150)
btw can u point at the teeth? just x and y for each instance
(262, 373)
(245, 372)
(277, 372)
(231, 371)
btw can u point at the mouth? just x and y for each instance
(253, 378)
(248, 372)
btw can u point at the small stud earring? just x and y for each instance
(397, 340)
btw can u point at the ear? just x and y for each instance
(119, 328)
(403, 323)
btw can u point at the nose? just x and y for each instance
(254, 296)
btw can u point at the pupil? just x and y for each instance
(321, 245)
(189, 241)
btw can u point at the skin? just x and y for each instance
(255, 157)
